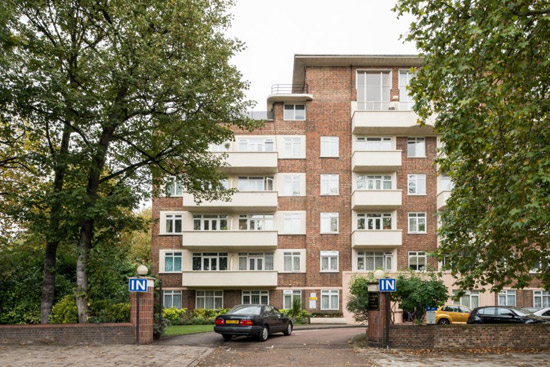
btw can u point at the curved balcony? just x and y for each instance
(376, 161)
(250, 162)
(376, 199)
(229, 279)
(369, 239)
(229, 240)
(243, 201)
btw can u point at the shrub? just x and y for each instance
(359, 298)
(159, 327)
(300, 316)
(64, 311)
(174, 315)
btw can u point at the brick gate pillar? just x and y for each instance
(146, 311)
(376, 336)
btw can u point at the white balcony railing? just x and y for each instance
(230, 240)
(256, 201)
(376, 161)
(251, 162)
(376, 199)
(394, 122)
(382, 238)
(195, 279)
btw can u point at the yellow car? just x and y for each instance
(452, 314)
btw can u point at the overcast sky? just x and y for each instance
(275, 30)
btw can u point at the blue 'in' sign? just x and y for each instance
(138, 285)
(386, 285)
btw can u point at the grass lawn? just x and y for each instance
(187, 329)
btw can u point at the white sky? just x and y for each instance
(275, 30)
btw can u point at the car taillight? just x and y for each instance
(246, 323)
(220, 322)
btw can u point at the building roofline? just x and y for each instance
(301, 61)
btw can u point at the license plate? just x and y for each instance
(232, 321)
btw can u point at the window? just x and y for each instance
(292, 223)
(255, 222)
(295, 112)
(417, 260)
(224, 147)
(507, 298)
(416, 147)
(329, 184)
(446, 183)
(172, 299)
(417, 222)
(374, 221)
(291, 261)
(172, 262)
(470, 299)
(289, 296)
(293, 147)
(174, 188)
(292, 185)
(255, 183)
(373, 90)
(374, 143)
(373, 260)
(377, 182)
(406, 101)
(255, 297)
(541, 299)
(417, 184)
(329, 146)
(173, 223)
(256, 145)
(210, 300)
(255, 261)
(329, 222)
(210, 261)
(329, 261)
(212, 222)
(330, 299)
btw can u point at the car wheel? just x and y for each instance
(443, 322)
(227, 336)
(288, 330)
(264, 334)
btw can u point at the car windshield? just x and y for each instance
(245, 310)
(522, 312)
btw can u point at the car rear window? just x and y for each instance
(245, 310)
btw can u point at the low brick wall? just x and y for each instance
(123, 333)
(469, 336)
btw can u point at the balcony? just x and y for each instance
(376, 161)
(229, 240)
(261, 115)
(385, 238)
(442, 199)
(250, 162)
(244, 201)
(391, 122)
(229, 279)
(290, 93)
(376, 199)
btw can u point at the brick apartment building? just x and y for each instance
(339, 181)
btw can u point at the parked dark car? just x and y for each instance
(502, 315)
(252, 320)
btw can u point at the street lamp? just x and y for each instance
(379, 274)
(142, 270)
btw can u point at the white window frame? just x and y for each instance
(210, 255)
(405, 101)
(330, 293)
(290, 295)
(330, 184)
(418, 255)
(385, 256)
(173, 188)
(256, 258)
(202, 294)
(446, 183)
(333, 260)
(384, 98)
(418, 182)
(374, 143)
(295, 258)
(244, 183)
(470, 295)
(171, 294)
(261, 222)
(173, 218)
(416, 141)
(211, 219)
(327, 221)
(256, 144)
(372, 182)
(293, 114)
(251, 293)
(544, 299)
(376, 221)
(330, 146)
(415, 219)
(173, 255)
(291, 183)
(292, 147)
(292, 223)
(507, 297)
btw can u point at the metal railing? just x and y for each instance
(261, 115)
(289, 88)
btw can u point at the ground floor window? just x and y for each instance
(211, 300)
(470, 299)
(507, 298)
(289, 296)
(541, 299)
(330, 299)
(172, 299)
(417, 260)
(256, 297)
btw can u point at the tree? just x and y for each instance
(118, 95)
(486, 75)
(359, 298)
(415, 291)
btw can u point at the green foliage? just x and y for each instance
(64, 311)
(106, 311)
(486, 75)
(359, 298)
(419, 291)
(159, 326)
(300, 316)
(174, 315)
